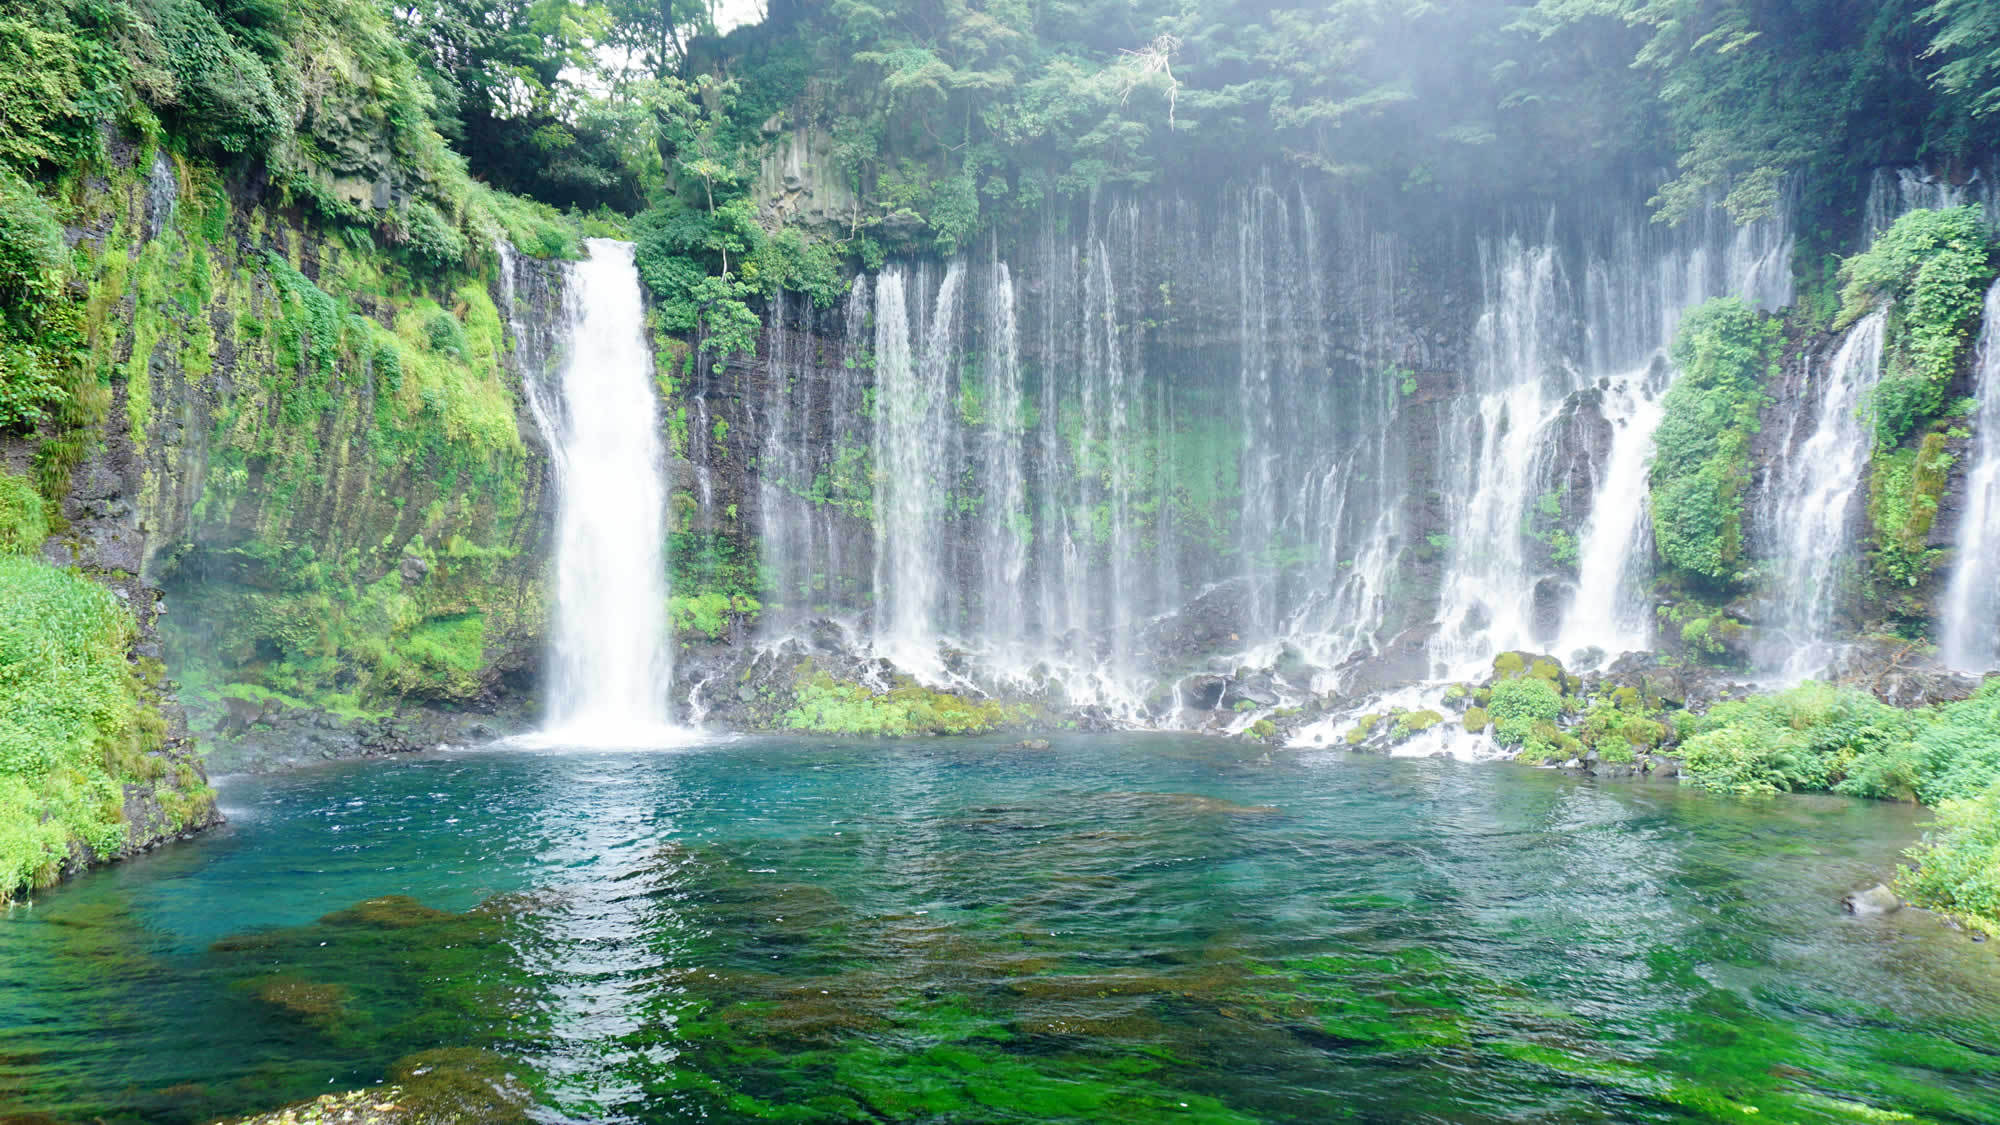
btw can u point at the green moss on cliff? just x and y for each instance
(347, 480)
(1931, 268)
(23, 523)
(1905, 487)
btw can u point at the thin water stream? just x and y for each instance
(1972, 600)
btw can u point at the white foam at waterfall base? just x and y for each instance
(1972, 601)
(1445, 739)
(610, 662)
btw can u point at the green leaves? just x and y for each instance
(1968, 40)
(1932, 268)
(1702, 448)
(71, 728)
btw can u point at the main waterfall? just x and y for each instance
(610, 661)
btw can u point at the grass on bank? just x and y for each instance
(75, 725)
(1817, 737)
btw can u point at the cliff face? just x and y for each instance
(323, 467)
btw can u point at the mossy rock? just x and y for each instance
(1363, 727)
(1416, 722)
(321, 1005)
(1514, 665)
(460, 1086)
(1477, 720)
(390, 912)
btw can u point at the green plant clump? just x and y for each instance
(38, 325)
(709, 614)
(1933, 268)
(1702, 449)
(1524, 711)
(826, 705)
(75, 721)
(23, 523)
(1958, 862)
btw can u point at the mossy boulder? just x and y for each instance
(1516, 664)
(1415, 722)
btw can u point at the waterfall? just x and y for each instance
(1972, 601)
(610, 657)
(1609, 611)
(1495, 443)
(1547, 544)
(1894, 191)
(1809, 512)
(1005, 531)
(162, 194)
(1167, 435)
(914, 377)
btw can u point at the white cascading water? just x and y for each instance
(611, 664)
(1180, 424)
(913, 398)
(1894, 191)
(1496, 440)
(1810, 507)
(1609, 611)
(1972, 601)
(1005, 531)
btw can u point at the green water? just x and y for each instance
(1122, 929)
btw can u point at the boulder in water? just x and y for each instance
(1203, 693)
(1404, 659)
(1877, 899)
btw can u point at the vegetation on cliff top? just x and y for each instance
(1930, 271)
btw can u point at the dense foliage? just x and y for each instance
(75, 724)
(1819, 737)
(1958, 863)
(1932, 269)
(1702, 458)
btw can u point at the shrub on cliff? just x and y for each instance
(1933, 267)
(1701, 463)
(36, 323)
